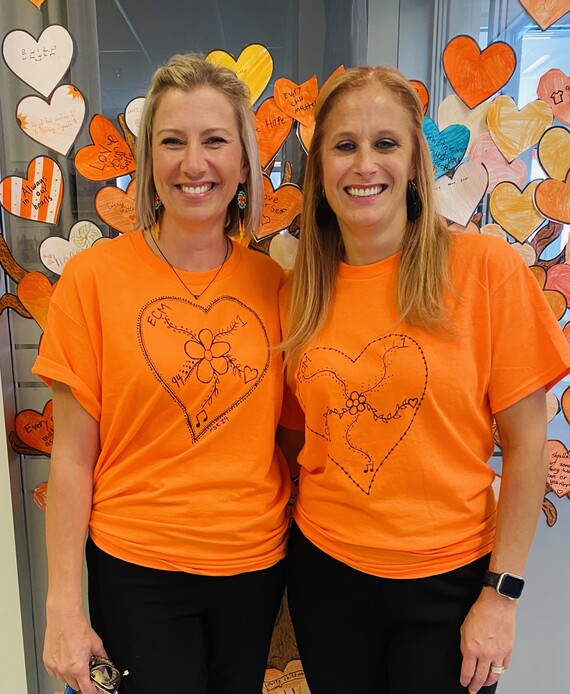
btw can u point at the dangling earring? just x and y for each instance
(242, 204)
(157, 211)
(323, 211)
(414, 203)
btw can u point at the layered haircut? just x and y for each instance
(188, 72)
(423, 269)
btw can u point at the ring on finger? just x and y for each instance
(498, 669)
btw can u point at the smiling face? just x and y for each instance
(367, 161)
(197, 158)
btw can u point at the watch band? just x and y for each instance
(506, 584)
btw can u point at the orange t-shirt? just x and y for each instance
(394, 477)
(187, 394)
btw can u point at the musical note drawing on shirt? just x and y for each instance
(369, 402)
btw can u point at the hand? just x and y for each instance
(487, 638)
(69, 642)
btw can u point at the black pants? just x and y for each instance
(183, 633)
(359, 634)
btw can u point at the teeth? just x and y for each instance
(364, 192)
(196, 190)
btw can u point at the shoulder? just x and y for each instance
(484, 250)
(261, 264)
(102, 253)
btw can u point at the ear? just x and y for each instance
(244, 170)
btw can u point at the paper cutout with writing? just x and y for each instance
(458, 197)
(108, 157)
(423, 94)
(306, 131)
(554, 89)
(272, 127)
(38, 196)
(54, 123)
(297, 100)
(41, 64)
(447, 147)
(280, 207)
(453, 111)
(476, 75)
(515, 131)
(485, 151)
(546, 12)
(133, 114)
(291, 680)
(117, 207)
(552, 199)
(514, 209)
(254, 66)
(35, 292)
(559, 470)
(35, 429)
(553, 152)
(55, 251)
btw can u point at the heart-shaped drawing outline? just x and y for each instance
(515, 210)
(35, 429)
(109, 156)
(297, 100)
(254, 66)
(38, 196)
(553, 152)
(280, 207)
(56, 251)
(272, 127)
(117, 207)
(458, 196)
(552, 199)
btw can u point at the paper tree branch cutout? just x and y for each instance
(554, 90)
(458, 196)
(546, 13)
(476, 75)
(280, 208)
(38, 196)
(543, 238)
(17, 273)
(553, 152)
(41, 64)
(254, 66)
(117, 207)
(453, 111)
(485, 151)
(515, 211)
(33, 431)
(110, 156)
(447, 147)
(515, 131)
(55, 251)
(54, 123)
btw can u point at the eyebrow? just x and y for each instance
(379, 133)
(209, 131)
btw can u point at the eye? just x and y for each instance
(171, 142)
(386, 144)
(345, 146)
(215, 141)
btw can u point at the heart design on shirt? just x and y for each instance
(208, 359)
(35, 429)
(369, 401)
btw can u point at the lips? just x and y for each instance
(365, 191)
(196, 190)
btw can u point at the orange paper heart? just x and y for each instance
(291, 680)
(280, 207)
(514, 209)
(108, 157)
(38, 196)
(515, 131)
(554, 152)
(423, 94)
(37, 3)
(35, 429)
(546, 13)
(35, 292)
(552, 199)
(305, 134)
(117, 208)
(297, 100)
(272, 127)
(40, 495)
(476, 75)
(554, 89)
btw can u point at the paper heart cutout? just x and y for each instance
(485, 151)
(272, 127)
(280, 207)
(37, 3)
(291, 680)
(558, 278)
(254, 66)
(559, 469)
(447, 147)
(365, 399)
(453, 111)
(108, 157)
(297, 100)
(557, 302)
(54, 124)
(40, 495)
(552, 199)
(423, 94)
(515, 131)
(554, 89)
(38, 196)
(546, 13)
(35, 429)
(35, 292)
(565, 400)
(133, 114)
(117, 208)
(55, 251)
(458, 197)
(553, 152)
(42, 63)
(305, 135)
(476, 75)
(494, 230)
(283, 249)
(514, 209)
(219, 363)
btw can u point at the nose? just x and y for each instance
(193, 162)
(365, 161)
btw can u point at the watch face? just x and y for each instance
(510, 586)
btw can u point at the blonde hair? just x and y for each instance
(423, 270)
(187, 72)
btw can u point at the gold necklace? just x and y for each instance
(182, 282)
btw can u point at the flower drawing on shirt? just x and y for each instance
(356, 402)
(210, 354)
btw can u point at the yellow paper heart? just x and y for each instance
(254, 66)
(514, 131)
(514, 209)
(554, 152)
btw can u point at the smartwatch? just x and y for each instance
(509, 585)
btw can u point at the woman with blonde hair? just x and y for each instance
(405, 342)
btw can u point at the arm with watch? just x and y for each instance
(488, 632)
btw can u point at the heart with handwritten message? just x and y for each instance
(458, 197)
(38, 196)
(35, 429)
(280, 207)
(447, 147)
(41, 64)
(117, 207)
(475, 75)
(515, 131)
(54, 124)
(35, 292)
(55, 251)
(254, 66)
(546, 12)
(486, 152)
(423, 94)
(297, 100)
(552, 199)
(553, 152)
(133, 114)
(291, 680)
(108, 157)
(554, 89)
(514, 209)
(453, 111)
(272, 126)
(559, 468)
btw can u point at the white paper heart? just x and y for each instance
(55, 251)
(41, 63)
(54, 124)
(452, 110)
(283, 250)
(133, 113)
(458, 197)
